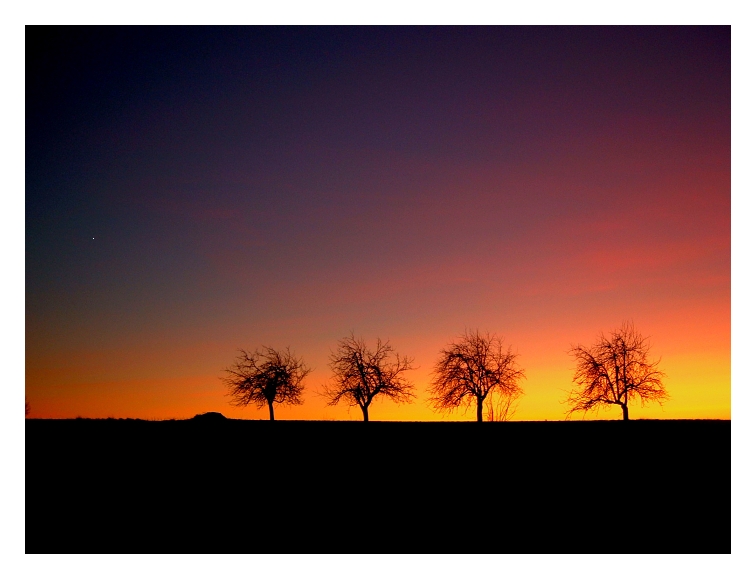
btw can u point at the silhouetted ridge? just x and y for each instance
(209, 417)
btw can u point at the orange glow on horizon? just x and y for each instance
(699, 387)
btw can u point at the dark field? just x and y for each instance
(132, 486)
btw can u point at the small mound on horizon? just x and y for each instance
(209, 417)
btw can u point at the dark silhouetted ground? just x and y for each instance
(212, 484)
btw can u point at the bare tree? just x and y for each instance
(473, 368)
(615, 370)
(500, 408)
(266, 376)
(360, 375)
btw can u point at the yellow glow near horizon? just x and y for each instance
(699, 387)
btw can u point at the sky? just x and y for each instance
(193, 191)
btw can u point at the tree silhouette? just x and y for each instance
(266, 376)
(473, 368)
(360, 375)
(615, 370)
(500, 408)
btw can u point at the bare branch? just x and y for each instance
(616, 370)
(472, 368)
(500, 408)
(361, 374)
(266, 376)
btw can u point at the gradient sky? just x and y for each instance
(193, 191)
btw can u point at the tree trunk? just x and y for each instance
(480, 410)
(270, 407)
(364, 413)
(624, 412)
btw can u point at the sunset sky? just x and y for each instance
(193, 191)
